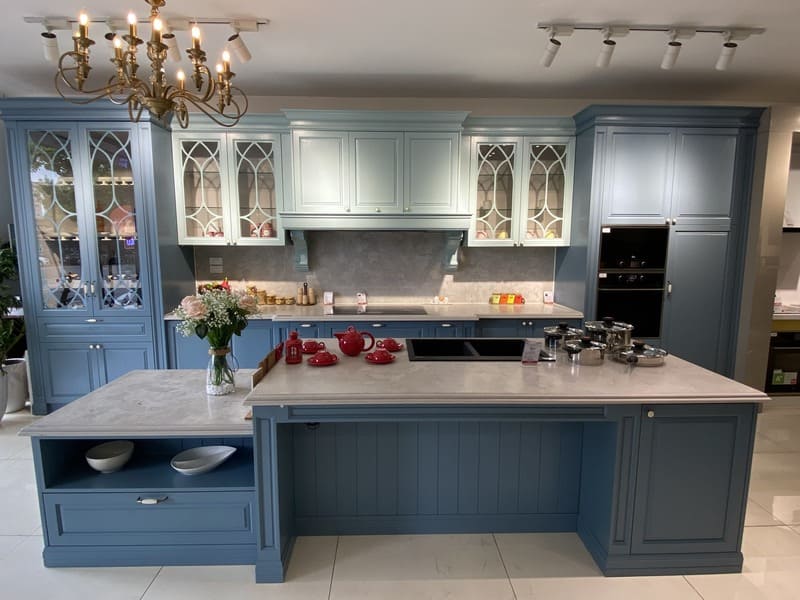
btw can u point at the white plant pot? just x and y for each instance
(16, 384)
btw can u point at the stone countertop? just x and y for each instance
(151, 403)
(435, 312)
(355, 381)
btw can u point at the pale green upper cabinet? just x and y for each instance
(375, 170)
(228, 188)
(320, 165)
(520, 190)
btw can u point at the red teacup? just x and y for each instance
(311, 346)
(380, 356)
(323, 359)
(389, 344)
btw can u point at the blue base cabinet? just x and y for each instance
(146, 513)
(523, 328)
(192, 353)
(650, 489)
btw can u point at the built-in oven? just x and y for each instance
(632, 275)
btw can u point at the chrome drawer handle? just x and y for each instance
(377, 324)
(446, 325)
(305, 324)
(151, 501)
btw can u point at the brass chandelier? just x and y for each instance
(214, 95)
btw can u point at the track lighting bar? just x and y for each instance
(730, 36)
(176, 24)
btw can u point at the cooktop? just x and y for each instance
(382, 309)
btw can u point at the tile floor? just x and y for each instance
(496, 567)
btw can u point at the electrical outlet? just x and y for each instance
(215, 265)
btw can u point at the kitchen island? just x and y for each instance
(649, 466)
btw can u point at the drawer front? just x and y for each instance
(94, 329)
(119, 519)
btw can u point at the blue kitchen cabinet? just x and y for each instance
(696, 322)
(91, 248)
(254, 343)
(689, 168)
(431, 172)
(691, 478)
(307, 330)
(376, 172)
(77, 368)
(320, 163)
(638, 176)
(450, 328)
(522, 328)
(192, 353)
(139, 515)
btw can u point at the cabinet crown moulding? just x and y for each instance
(375, 120)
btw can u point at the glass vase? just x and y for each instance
(219, 375)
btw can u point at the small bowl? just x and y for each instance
(110, 456)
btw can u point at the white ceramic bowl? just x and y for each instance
(110, 456)
(201, 459)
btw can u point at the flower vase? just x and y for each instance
(219, 375)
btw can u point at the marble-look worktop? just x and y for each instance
(355, 381)
(434, 312)
(151, 403)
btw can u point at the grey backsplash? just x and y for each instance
(391, 266)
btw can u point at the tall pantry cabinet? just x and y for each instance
(95, 229)
(689, 169)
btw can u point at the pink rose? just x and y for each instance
(193, 307)
(248, 304)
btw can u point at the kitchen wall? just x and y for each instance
(391, 266)
(787, 289)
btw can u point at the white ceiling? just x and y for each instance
(460, 48)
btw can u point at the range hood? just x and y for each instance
(454, 239)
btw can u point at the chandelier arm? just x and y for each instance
(212, 113)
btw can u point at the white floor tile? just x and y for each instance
(19, 505)
(9, 543)
(308, 578)
(24, 577)
(771, 569)
(783, 405)
(756, 516)
(556, 566)
(11, 444)
(781, 429)
(775, 485)
(466, 566)
(764, 444)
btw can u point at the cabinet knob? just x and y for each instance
(346, 210)
(91, 346)
(666, 221)
(377, 210)
(674, 221)
(151, 501)
(98, 346)
(407, 209)
(651, 414)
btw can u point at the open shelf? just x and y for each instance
(66, 468)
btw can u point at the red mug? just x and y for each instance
(311, 346)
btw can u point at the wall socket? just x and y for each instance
(215, 265)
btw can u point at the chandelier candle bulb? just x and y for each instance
(155, 36)
(132, 26)
(196, 37)
(83, 26)
(117, 48)
(226, 62)
(181, 79)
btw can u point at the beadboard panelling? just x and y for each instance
(458, 469)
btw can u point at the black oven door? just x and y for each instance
(639, 307)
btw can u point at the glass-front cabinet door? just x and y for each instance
(256, 191)
(228, 188)
(84, 214)
(202, 218)
(547, 193)
(116, 239)
(494, 181)
(521, 191)
(63, 260)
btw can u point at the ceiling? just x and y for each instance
(464, 48)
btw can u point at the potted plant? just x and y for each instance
(11, 330)
(216, 314)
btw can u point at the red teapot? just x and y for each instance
(352, 342)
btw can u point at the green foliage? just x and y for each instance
(11, 330)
